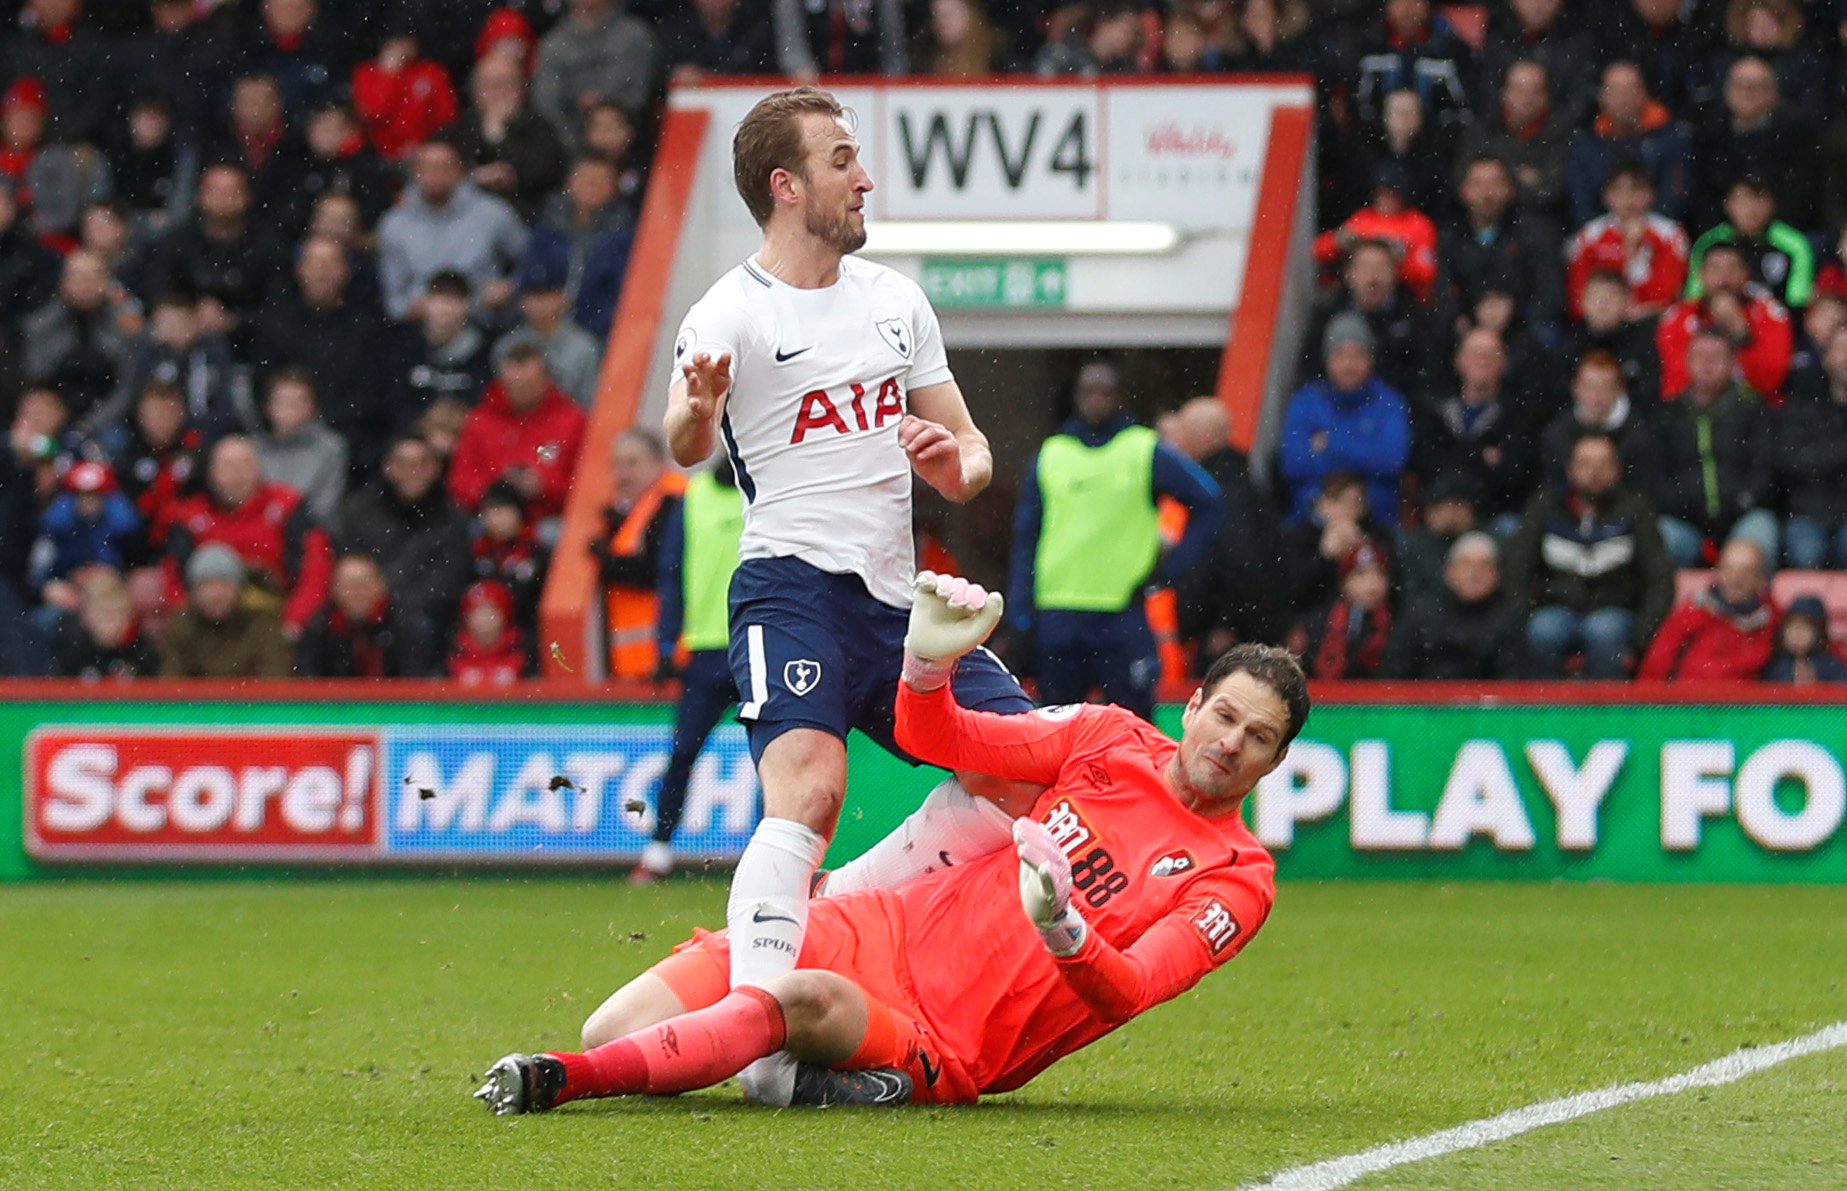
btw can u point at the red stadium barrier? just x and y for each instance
(569, 642)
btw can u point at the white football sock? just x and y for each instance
(768, 915)
(768, 908)
(951, 827)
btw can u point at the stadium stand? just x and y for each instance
(196, 197)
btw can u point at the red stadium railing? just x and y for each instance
(569, 642)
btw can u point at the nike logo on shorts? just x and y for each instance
(782, 358)
(930, 1070)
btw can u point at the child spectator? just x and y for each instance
(488, 649)
(157, 457)
(1803, 653)
(90, 524)
(1348, 640)
(508, 552)
(1390, 219)
(300, 450)
(1314, 547)
(1779, 257)
(1647, 249)
(103, 639)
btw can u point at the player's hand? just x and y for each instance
(949, 616)
(934, 452)
(1045, 887)
(707, 382)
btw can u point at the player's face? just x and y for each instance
(834, 185)
(1230, 737)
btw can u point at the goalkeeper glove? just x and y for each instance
(949, 617)
(1045, 889)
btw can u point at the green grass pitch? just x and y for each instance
(320, 1033)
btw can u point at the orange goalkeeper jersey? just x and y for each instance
(1169, 894)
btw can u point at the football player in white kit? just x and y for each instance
(824, 377)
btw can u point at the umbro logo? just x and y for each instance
(783, 357)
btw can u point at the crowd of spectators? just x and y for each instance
(304, 300)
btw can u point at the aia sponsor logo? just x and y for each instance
(821, 412)
(1173, 864)
(1216, 925)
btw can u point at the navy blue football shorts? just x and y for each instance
(811, 649)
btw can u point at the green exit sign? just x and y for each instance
(995, 282)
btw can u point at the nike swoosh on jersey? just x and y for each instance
(784, 359)
(757, 915)
(930, 1070)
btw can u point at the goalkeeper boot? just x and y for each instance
(522, 1083)
(880, 1087)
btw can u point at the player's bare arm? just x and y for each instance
(694, 404)
(945, 448)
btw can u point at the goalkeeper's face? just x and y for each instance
(1231, 736)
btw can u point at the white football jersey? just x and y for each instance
(820, 379)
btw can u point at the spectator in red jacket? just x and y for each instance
(488, 650)
(1727, 631)
(1755, 323)
(402, 98)
(525, 431)
(1391, 220)
(1648, 249)
(265, 523)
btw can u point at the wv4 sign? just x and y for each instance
(1718, 793)
(412, 792)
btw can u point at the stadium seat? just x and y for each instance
(1831, 586)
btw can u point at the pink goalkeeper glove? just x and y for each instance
(1045, 888)
(949, 617)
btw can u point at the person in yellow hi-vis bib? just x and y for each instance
(698, 552)
(1087, 542)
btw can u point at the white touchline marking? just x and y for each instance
(1339, 1172)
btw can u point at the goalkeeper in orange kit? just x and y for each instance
(1132, 876)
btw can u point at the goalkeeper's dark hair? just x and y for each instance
(1276, 669)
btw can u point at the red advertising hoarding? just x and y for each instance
(104, 792)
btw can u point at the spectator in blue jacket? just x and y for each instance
(89, 524)
(1349, 421)
(1087, 544)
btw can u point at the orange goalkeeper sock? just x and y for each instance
(693, 1050)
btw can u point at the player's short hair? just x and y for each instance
(769, 138)
(1273, 667)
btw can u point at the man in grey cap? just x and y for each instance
(1349, 420)
(217, 635)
